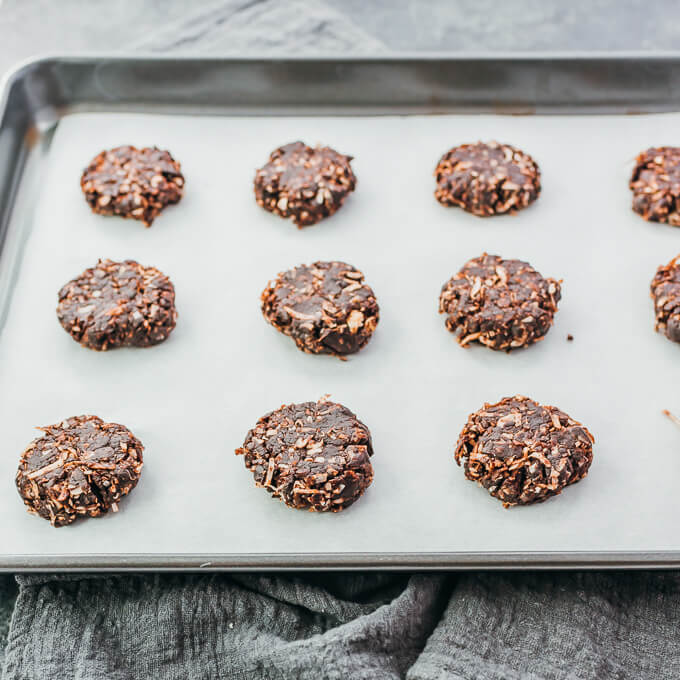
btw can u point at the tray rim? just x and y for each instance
(427, 561)
(453, 561)
(22, 66)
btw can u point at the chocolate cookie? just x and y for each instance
(132, 182)
(325, 307)
(503, 304)
(522, 452)
(313, 456)
(303, 183)
(81, 466)
(656, 185)
(487, 179)
(117, 304)
(666, 294)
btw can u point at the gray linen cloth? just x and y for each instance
(348, 626)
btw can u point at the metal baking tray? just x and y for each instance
(192, 399)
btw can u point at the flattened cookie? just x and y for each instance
(313, 456)
(325, 307)
(487, 179)
(665, 290)
(522, 452)
(79, 467)
(655, 184)
(131, 182)
(303, 183)
(503, 304)
(118, 304)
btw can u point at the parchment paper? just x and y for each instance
(192, 399)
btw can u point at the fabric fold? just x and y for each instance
(219, 626)
(549, 626)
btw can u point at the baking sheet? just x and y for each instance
(192, 399)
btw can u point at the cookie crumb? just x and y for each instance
(570, 337)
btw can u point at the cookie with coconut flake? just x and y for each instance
(503, 304)
(118, 304)
(81, 467)
(304, 183)
(523, 452)
(131, 182)
(655, 184)
(313, 456)
(665, 289)
(487, 179)
(325, 307)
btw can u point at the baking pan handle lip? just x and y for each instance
(551, 560)
(34, 63)
(42, 96)
(23, 66)
(20, 69)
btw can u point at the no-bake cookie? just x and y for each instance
(503, 304)
(522, 452)
(325, 307)
(655, 184)
(303, 183)
(117, 304)
(79, 467)
(313, 456)
(131, 182)
(487, 179)
(665, 289)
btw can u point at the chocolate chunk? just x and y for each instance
(79, 467)
(130, 182)
(325, 307)
(117, 304)
(522, 452)
(503, 304)
(487, 179)
(313, 456)
(303, 183)
(656, 185)
(665, 290)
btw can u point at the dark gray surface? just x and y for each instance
(222, 27)
(8, 595)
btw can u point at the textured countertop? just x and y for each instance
(216, 27)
